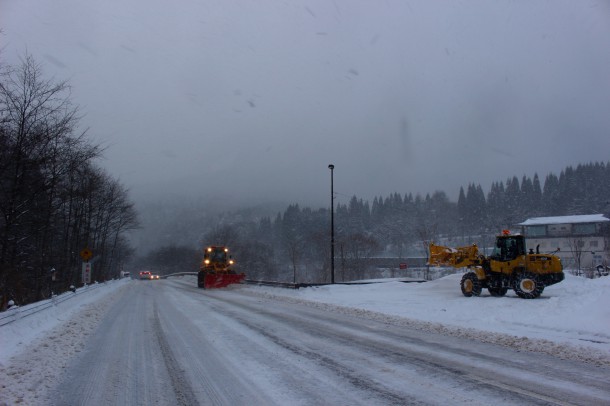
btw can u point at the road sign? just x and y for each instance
(87, 269)
(86, 254)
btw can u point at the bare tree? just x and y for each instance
(53, 201)
(427, 233)
(36, 119)
(359, 247)
(576, 248)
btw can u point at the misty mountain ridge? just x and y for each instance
(585, 189)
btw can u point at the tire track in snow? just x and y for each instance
(564, 351)
(182, 390)
(451, 370)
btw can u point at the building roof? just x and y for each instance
(586, 218)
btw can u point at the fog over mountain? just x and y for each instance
(248, 102)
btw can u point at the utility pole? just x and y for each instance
(332, 226)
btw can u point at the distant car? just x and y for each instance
(145, 275)
(154, 276)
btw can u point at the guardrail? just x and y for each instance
(19, 312)
(287, 285)
(178, 274)
(292, 285)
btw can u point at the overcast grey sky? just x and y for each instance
(253, 99)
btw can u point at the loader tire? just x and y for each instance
(497, 292)
(527, 286)
(470, 284)
(200, 281)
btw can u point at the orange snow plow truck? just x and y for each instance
(508, 267)
(216, 269)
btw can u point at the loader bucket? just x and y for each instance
(458, 257)
(214, 281)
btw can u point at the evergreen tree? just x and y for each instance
(527, 196)
(495, 204)
(512, 208)
(536, 199)
(551, 195)
(462, 210)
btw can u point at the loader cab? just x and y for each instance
(508, 247)
(217, 255)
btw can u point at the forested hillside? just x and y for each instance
(295, 243)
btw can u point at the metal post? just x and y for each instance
(332, 226)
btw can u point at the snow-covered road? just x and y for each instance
(168, 343)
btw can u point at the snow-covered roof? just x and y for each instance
(586, 218)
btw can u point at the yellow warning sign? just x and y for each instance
(86, 254)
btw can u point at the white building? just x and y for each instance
(582, 240)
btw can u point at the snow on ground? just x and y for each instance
(34, 348)
(570, 320)
(82, 311)
(575, 311)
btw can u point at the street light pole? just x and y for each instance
(332, 226)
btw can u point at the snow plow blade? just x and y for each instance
(214, 281)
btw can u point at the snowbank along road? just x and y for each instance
(169, 343)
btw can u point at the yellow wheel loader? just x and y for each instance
(216, 270)
(508, 267)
